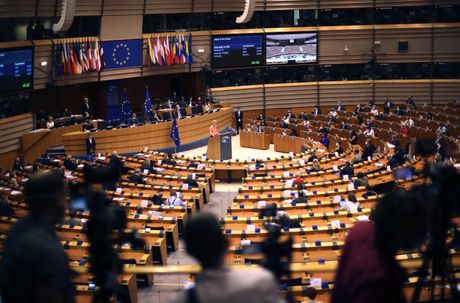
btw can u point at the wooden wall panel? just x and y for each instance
(288, 4)
(48, 8)
(348, 92)
(11, 130)
(88, 8)
(332, 44)
(17, 9)
(399, 90)
(419, 45)
(123, 8)
(171, 7)
(248, 97)
(391, 3)
(345, 3)
(446, 91)
(293, 95)
(446, 44)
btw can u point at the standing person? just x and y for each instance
(213, 129)
(90, 145)
(239, 119)
(400, 223)
(34, 266)
(216, 283)
(85, 109)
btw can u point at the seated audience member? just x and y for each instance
(395, 141)
(360, 120)
(325, 141)
(190, 181)
(66, 113)
(316, 111)
(285, 122)
(400, 223)
(50, 123)
(192, 164)
(442, 129)
(350, 205)
(387, 106)
(5, 208)
(173, 200)
(207, 107)
(358, 109)
(169, 160)
(404, 130)
(90, 145)
(261, 117)
(155, 117)
(34, 267)
(411, 102)
(136, 177)
(85, 109)
(429, 116)
(298, 180)
(374, 111)
(315, 166)
(353, 137)
(356, 156)
(305, 124)
(147, 165)
(303, 116)
(69, 164)
(332, 116)
(205, 242)
(397, 158)
(290, 115)
(361, 180)
(17, 165)
(12, 180)
(347, 170)
(369, 132)
(133, 120)
(399, 111)
(339, 106)
(369, 150)
(345, 125)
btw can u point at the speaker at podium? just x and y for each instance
(220, 147)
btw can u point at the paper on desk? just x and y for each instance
(315, 282)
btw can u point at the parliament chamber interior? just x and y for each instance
(229, 151)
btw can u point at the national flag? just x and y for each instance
(151, 58)
(175, 133)
(58, 60)
(147, 103)
(97, 59)
(125, 107)
(188, 52)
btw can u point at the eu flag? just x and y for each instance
(175, 133)
(126, 107)
(122, 53)
(147, 103)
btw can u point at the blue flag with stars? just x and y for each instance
(175, 133)
(122, 53)
(147, 103)
(126, 107)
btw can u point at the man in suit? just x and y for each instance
(69, 164)
(133, 120)
(369, 150)
(339, 106)
(17, 165)
(347, 170)
(239, 119)
(387, 106)
(217, 283)
(90, 145)
(85, 109)
(136, 177)
(190, 181)
(316, 110)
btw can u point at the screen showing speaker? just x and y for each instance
(237, 51)
(16, 70)
(291, 48)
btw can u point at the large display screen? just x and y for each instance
(237, 51)
(16, 69)
(294, 48)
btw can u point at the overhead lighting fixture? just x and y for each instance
(201, 50)
(44, 63)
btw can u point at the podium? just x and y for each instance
(220, 147)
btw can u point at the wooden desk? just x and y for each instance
(288, 144)
(254, 140)
(155, 136)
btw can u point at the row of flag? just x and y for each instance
(126, 114)
(169, 50)
(77, 58)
